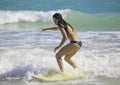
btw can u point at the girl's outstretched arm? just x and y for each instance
(51, 28)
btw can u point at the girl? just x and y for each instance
(70, 49)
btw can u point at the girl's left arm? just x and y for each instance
(63, 39)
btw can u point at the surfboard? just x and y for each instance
(53, 78)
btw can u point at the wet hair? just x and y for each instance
(61, 22)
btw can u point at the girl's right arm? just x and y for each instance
(51, 28)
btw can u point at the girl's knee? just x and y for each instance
(66, 59)
(58, 56)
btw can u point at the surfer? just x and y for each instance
(70, 49)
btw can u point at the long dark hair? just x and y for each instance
(61, 22)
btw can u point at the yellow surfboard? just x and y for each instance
(57, 77)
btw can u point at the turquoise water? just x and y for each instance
(84, 15)
(79, 20)
(87, 6)
(26, 51)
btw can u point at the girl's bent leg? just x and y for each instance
(69, 60)
(68, 50)
(59, 61)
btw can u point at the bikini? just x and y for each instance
(77, 42)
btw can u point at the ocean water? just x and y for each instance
(26, 51)
(13, 20)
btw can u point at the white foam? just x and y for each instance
(28, 16)
(100, 64)
(11, 58)
(91, 57)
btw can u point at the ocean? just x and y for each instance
(26, 51)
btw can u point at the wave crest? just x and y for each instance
(28, 16)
